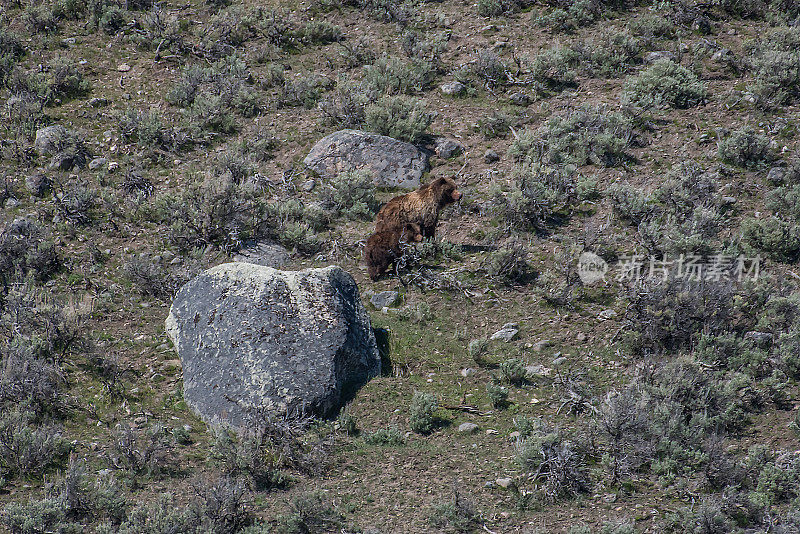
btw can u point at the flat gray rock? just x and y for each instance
(392, 163)
(253, 338)
(263, 253)
(384, 299)
(507, 333)
(447, 148)
(48, 139)
(467, 428)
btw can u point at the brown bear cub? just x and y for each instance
(383, 248)
(419, 207)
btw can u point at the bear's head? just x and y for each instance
(445, 191)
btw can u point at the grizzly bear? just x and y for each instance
(419, 207)
(383, 248)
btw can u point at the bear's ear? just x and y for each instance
(441, 181)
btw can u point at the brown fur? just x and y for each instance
(419, 207)
(383, 248)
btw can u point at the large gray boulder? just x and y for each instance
(253, 339)
(392, 163)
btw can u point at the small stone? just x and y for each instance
(749, 97)
(447, 148)
(520, 99)
(581, 337)
(308, 186)
(538, 370)
(607, 314)
(488, 28)
(11, 203)
(96, 163)
(539, 346)
(728, 201)
(98, 102)
(490, 156)
(123, 67)
(38, 184)
(610, 497)
(48, 139)
(69, 41)
(723, 55)
(776, 175)
(492, 432)
(384, 299)
(504, 482)
(652, 57)
(453, 88)
(176, 261)
(113, 166)
(507, 333)
(467, 428)
(469, 371)
(559, 361)
(515, 435)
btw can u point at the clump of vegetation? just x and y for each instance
(665, 84)
(459, 514)
(585, 135)
(351, 195)
(568, 16)
(683, 215)
(747, 148)
(498, 395)
(399, 117)
(773, 61)
(393, 76)
(390, 435)
(558, 462)
(422, 413)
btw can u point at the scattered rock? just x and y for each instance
(98, 102)
(392, 163)
(581, 337)
(467, 428)
(492, 432)
(723, 55)
(776, 175)
(113, 166)
(123, 67)
(469, 371)
(252, 337)
(515, 435)
(504, 482)
(610, 497)
(48, 139)
(538, 370)
(606, 314)
(11, 203)
(308, 185)
(561, 360)
(38, 184)
(652, 57)
(447, 148)
(728, 201)
(520, 99)
(507, 333)
(453, 88)
(69, 41)
(96, 163)
(385, 299)
(265, 254)
(490, 156)
(539, 346)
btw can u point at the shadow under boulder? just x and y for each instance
(256, 339)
